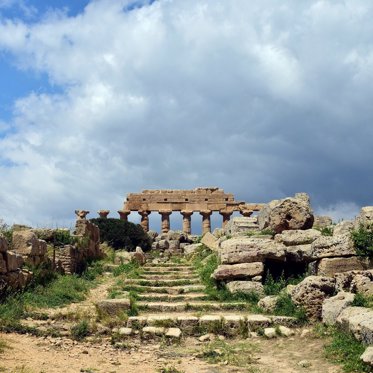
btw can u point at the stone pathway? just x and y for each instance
(171, 296)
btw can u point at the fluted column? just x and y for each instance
(206, 222)
(187, 217)
(165, 214)
(123, 214)
(103, 213)
(226, 217)
(145, 220)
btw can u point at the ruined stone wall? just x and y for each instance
(74, 258)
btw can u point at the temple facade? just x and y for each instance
(203, 201)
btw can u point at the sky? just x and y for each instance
(262, 98)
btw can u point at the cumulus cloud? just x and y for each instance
(262, 98)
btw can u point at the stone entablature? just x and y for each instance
(201, 200)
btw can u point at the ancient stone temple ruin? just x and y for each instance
(200, 200)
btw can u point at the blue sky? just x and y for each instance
(262, 98)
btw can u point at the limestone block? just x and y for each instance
(331, 266)
(138, 256)
(14, 261)
(299, 253)
(125, 331)
(211, 323)
(285, 331)
(297, 237)
(270, 332)
(3, 267)
(174, 245)
(25, 242)
(268, 303)
(362, 284)
(311, 292)
(234, 325)
(163, 244)
(367, 356)
(343, 227)
(3, 244)
(335, 246)
(332, 307)
(250, 249)
(113, 307)
(246, 287)
(149, 332)
(322, 221)
(188, 324)
(173, 333)
(255, 322)
(286, 214)
(210, 241)
(190, 249)
(241, 225)
(365, 217)
(238, 271)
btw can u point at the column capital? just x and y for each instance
(103, 213)
(186, 213)
(205, 212)
(246, 213)
(123, 214)
(144, 212)
(165, 212)
(81, 214)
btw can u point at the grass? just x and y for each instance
(130, 270)
(344, 349)
(275, 286)
(286, 307)
(235, 353)
(362, 300)
(80, 330)
(205, 262)
(62, 290)
(171, 369)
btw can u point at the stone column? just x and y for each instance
(123, 214)
(145, 220)
(81, 214)
(246, 213)
(103, 213)
(165, 214)
(226, 217)
(187, 217)
(206, 223)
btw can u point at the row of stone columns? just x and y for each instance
(187, 216)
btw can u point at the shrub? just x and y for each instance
(363, 240)
(286, 307)
(120, 234)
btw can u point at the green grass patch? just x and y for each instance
(344, 349)
(80, 330)
(286, 307)
(362, 300)
(130, 270)
(274, 286)
(60, 291)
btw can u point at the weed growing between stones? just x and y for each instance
(286, 307)
(344, 349)
(362, 300)
(80, 330)
(363, 240)
(171, 369)
(131, 270)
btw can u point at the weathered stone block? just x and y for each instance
(332, 307)
(241, 225)
(14, 261)
(238, 271)
(299, 253)
(246, 287)
(3, 267)
(210, 241)
(331, 266)
(250, 249)
(113, 307)
(335, 246)
(3, 244)
(286, 214)
(298, 237)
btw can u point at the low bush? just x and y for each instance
(286, 307)
(120, 234)
(80, 330)
(362, 300)
(363, 240)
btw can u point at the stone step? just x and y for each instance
(162, 283)
(190, 306)
(172, 266)
(164, 289)
(159, 297)
(173, 276)
(150, 271)
(229, 324)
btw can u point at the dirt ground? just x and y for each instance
(29, 354)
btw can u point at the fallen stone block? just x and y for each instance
(114, 307)
(332, 307)
(238, 271)
(331, 266)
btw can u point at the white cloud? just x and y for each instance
(262, 98)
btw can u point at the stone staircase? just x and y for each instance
(172, 301)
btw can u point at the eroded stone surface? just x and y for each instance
(333, 306)
(238, 271)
